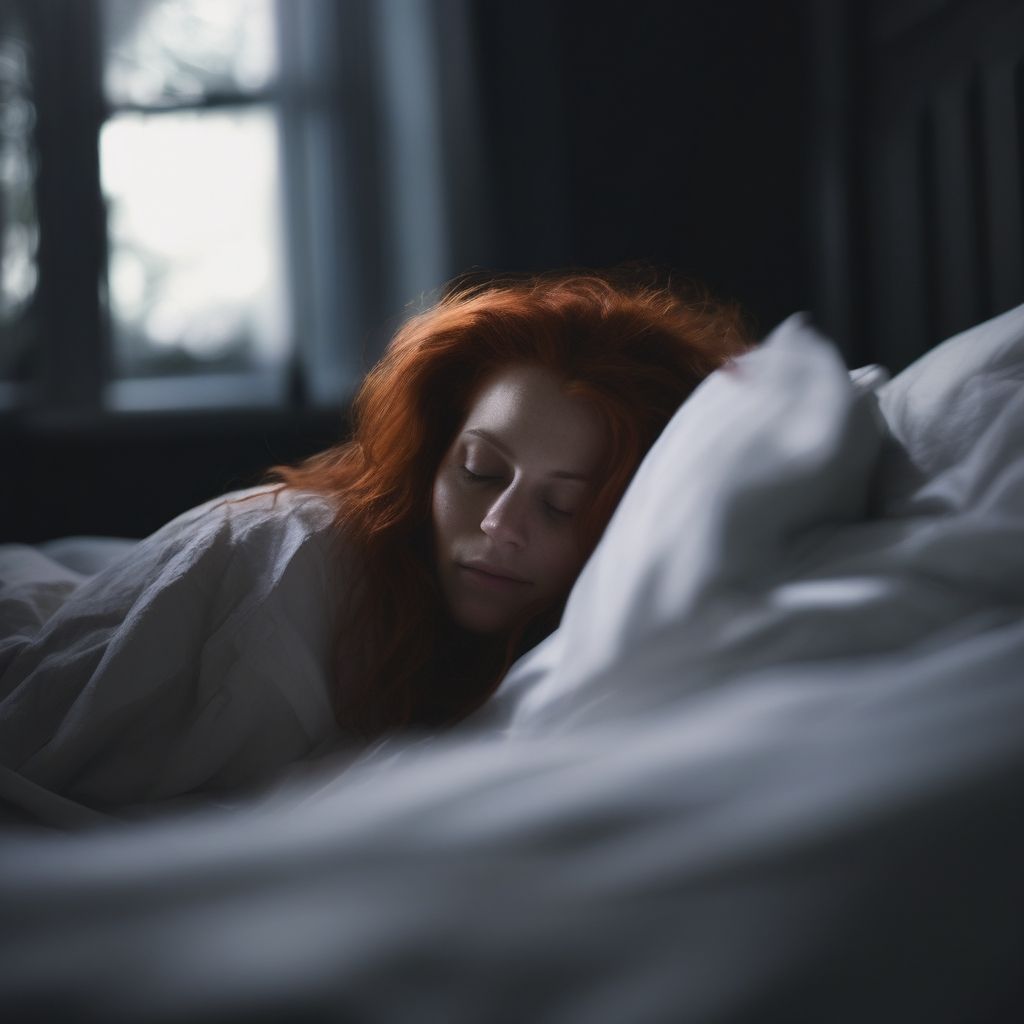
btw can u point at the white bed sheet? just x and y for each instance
(768, 768)
(818, 845)
(198, 659)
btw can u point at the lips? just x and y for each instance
(484, 572)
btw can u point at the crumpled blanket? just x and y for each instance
(194, 660)
(768, 768)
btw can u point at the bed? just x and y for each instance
(768, 768)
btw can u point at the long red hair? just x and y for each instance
(634, 351)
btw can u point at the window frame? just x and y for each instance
(71, 361)
(345, 204)
(72, 386)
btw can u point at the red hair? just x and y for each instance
(635, 352)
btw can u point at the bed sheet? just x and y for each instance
(195, 660)
(767, 769)
(836, 843)
(779, 520)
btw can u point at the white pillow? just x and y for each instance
(947, 416)
(764, 453)
(746, 540)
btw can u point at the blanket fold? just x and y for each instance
(196, 659)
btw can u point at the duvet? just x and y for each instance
(767, 769)
(195, 660)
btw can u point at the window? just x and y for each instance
(19, 227)
(191, 178)
(213, 204)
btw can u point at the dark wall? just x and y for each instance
(127, 480)
(861, 160)
(655, 130)
(917, 170)
(942, 163)
(667, 132)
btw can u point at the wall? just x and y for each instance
(657, 130)
(668, 132)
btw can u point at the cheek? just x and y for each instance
(448, 507)
(562, 560)
(441, 506)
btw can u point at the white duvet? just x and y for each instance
(195, 660)
(768, 768)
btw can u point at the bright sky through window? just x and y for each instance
(195, 243)
(19, 232)
(162, 51)
(193, 196)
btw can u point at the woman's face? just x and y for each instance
(508, 496)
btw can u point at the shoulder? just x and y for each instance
(275, 506)
(247, 515)
(267, 502)
(272, 526)
(243, 544)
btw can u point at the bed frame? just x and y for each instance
(918, 230)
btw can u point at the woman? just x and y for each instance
(385, 584)
(490, 446)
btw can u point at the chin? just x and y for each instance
(473, 621)
(481, 617)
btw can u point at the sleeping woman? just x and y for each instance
(386, 584)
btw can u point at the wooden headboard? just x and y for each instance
(917, 209)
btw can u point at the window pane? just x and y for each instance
(19, 230)
(167, 51)
(195, 277)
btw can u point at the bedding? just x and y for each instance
(196, 660)
(768, 767)
(762, 550)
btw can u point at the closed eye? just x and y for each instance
(475, 478)
(558, 513)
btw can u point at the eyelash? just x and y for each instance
(481, 478)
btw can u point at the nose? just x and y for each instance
(506, 519)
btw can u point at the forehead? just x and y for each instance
(527, 410)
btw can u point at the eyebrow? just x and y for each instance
(561, 474)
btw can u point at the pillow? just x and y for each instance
(948, 415)
(765, 452)
(747, 539)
